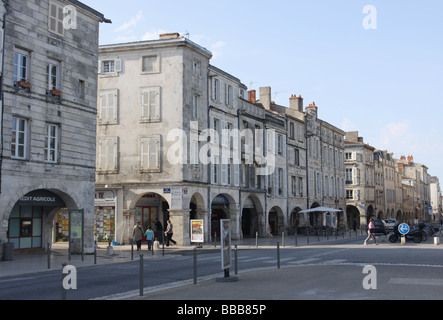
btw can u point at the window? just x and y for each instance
(110, 66)
(280, 181)
(280, 144)
(215, 89)
(297, 157)
(228, 95)
(53, 80)
(215, 169)
(348, 176)
(291, 130)
(150, 64)
(21, 66)
(108, 107)
(51, 143)
(150, 154)
(81, 89)
(195, 103)
(300, 187)
(107, 155)
(19, 138)
(319, 184)
(56, 18)
(196, 68)
(150, 101)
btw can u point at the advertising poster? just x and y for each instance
(76, 224)
(197, 235)
(225, 239)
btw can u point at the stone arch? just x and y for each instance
(252, 216)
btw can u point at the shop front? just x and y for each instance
(28, 218)
(105, 215)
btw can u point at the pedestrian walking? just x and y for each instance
(370, 232)
(137, 235)
(159, 231)
(149, 237)
(168, 233)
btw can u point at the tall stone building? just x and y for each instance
(360, 180)
(181, 139)
(48, 117)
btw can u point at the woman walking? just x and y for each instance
(370, 232)
(168, 233)
(149, 237)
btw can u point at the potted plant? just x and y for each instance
(24, 84)
(55, 92)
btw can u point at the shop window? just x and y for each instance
(25, 227)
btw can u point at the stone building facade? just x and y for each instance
(381, 187)
(181, 139)
(48, 117)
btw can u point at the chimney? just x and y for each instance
(265, 97)
(410, 159)
(252, 96)
(296, 102)
(167, 36)
(352, 136)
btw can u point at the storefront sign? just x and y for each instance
(220, 199)
(43, 198)
(197, 234)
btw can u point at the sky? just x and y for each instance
(372, 66)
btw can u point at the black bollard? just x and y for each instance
(141, 275)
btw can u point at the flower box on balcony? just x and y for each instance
(24, 84)
(55, 92)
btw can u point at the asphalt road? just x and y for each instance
(114, 280)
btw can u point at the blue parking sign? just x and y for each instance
(403, 228)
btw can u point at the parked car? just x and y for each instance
(390, 223)
(380, 227)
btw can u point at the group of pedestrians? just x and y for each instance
(138, 234)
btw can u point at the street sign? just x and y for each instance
(403, 228)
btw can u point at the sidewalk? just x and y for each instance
(33, 261)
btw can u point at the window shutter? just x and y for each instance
(236, 175)
(144, 153)
(224, 173)
(118, 65)
(112, 154)
(154, 153)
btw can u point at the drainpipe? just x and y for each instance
(7, 7)
(208, 118)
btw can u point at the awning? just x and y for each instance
(321, 209)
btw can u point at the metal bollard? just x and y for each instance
(278, 255)
(195, 266)
(141, 275)
(256, 239)
(236, 260)
(132, 249)
(296, 239)
(163, 244)
(283, 238)
(95, 252)
(48, 251)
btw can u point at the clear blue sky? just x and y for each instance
(385, 83)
